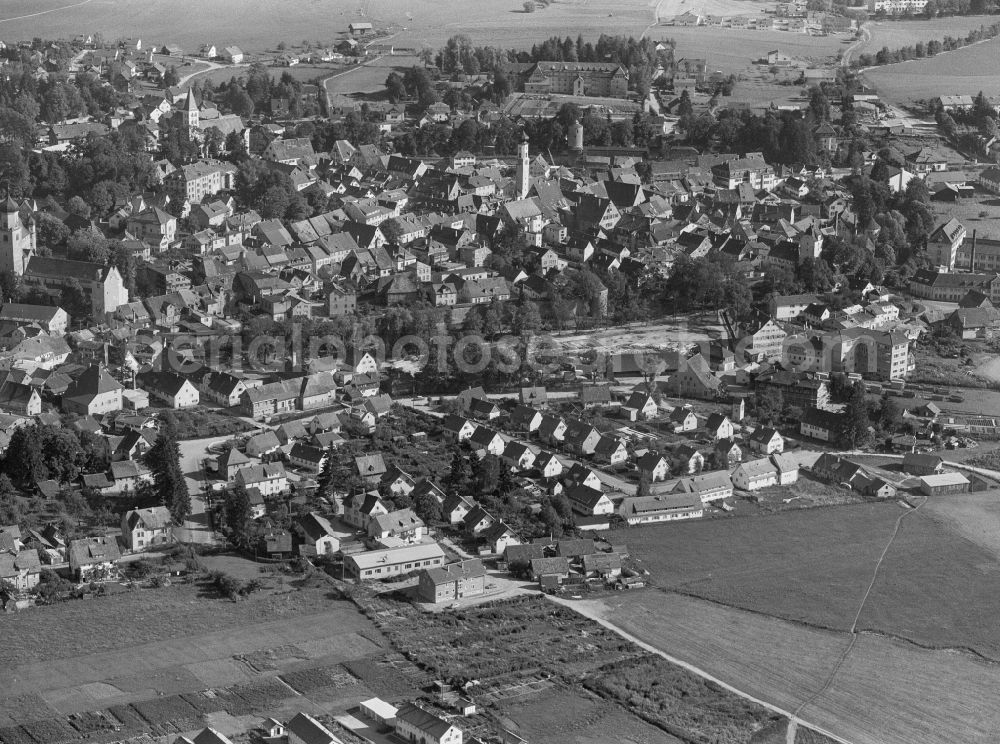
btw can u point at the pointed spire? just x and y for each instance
(190, 104)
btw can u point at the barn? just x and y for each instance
(943, 483)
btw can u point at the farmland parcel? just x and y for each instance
(964, 71)
(937, 696)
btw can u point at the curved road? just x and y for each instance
(866, 36)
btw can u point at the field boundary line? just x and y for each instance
(44, 12)
(792, 717)
(854, 626)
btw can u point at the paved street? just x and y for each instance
(193, 453)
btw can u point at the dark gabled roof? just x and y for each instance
(822, 419)
(315, 525)
(574, 548)
(93, 381)
(469, 569)
(585, 496)
(524, 552)
(422, 720)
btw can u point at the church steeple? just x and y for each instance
(191, 110)
(523, 168)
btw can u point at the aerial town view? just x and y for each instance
(500, 372)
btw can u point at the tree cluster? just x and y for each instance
(164, 459)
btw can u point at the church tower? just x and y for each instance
(17, 238)
(523, 169)
(191, 110)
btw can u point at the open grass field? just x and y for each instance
(814, 566)
(810, 565)
(896, 34)
(888, 692)
(981, 213)
(779, 662)
(925, 585)
(964, 71)
(368, 78)
(303, 73)
(257, 27)
(734, 50)
(976, 516)
(933, 696)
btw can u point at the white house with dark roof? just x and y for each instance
(766, 440)
(318, 536)
(146, 528)
(419, 726)
(402, 524)
(270, 478)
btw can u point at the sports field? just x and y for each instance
(964, 71)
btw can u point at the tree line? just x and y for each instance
(920, 50)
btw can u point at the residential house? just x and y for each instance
(712, 486)
(755, 474)
(94, 558)
(819, 424)
(270, 478)
(171, 388)
(231, 461)
(360, 509)
(146, 528)
(455, 509)
(95, 391)
(683, 419)
(718, 426)
(487, 440)
(653, 466)
(317, 535)
(403, 525)
(766, 441)
(304, 729)
(643, 406)
(419, 726)
(451, 582)
(21, 569)
(588, 501)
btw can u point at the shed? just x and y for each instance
(379, 710)
(936, 485)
